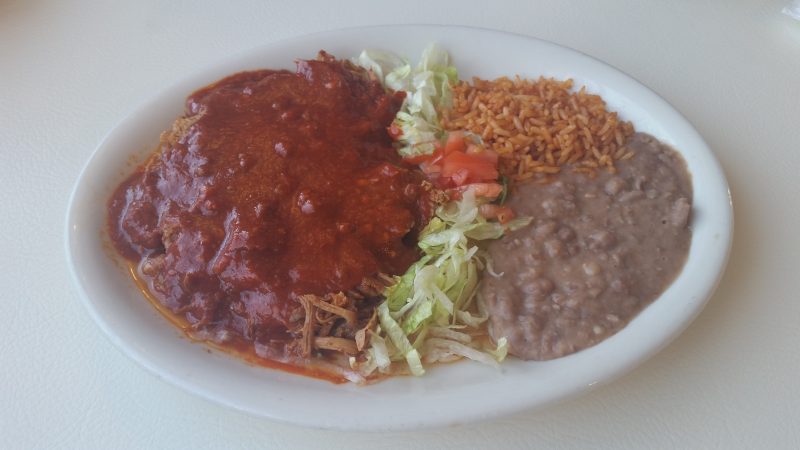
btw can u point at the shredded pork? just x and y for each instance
(339, 321)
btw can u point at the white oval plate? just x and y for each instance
(450, 394)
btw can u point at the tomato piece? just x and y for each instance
(483, 154)
(459, 162)
(433, 157)
(473, 149)
(503, 214)
(428, 168)
(460, 177)
(477, 170)
(487, 190)
(437, 156)
(455, 142)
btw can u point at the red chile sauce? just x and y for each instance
(274, 184)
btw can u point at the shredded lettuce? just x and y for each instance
(432, 312)
(427, 88)
(431, 304)
(380, 352)
(400, 339)
(390, 69)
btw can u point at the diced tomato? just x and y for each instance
(433, 157)
(477, 170)
(460, 177)
(459, 162)
(503, 214)
(429, 168)
(437, 156)
(455, 142)
(486, 190)
(482, 153)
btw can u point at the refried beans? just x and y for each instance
(600, 249)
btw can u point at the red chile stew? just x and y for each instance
(273, 185)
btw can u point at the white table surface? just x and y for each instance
(69, 71)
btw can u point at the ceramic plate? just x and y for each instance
(448, 394)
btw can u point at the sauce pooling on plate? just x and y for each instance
(275, 184)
